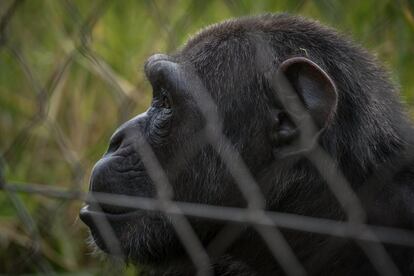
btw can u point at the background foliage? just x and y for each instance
(71, 72)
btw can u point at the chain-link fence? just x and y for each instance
(53, 129)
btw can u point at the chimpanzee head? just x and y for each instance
(216, 93)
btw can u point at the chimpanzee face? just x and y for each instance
(173, 131)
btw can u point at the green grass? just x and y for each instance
(58, 107)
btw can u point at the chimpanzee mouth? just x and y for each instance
(109, 208)
(90, 213)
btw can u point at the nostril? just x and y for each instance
(116, 141)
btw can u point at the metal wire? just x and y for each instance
(266, 223)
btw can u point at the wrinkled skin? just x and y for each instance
(361, 123)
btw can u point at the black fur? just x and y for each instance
(369, 137)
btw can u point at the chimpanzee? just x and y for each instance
(360, 124)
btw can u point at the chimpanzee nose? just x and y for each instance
(122, 136)
(116, 140)
(127, 133)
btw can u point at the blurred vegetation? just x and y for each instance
(59, 105)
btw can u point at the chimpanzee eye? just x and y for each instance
(165, 102)
(165, 99)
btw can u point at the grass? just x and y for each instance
(71, 72)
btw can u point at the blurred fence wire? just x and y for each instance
(266, 223)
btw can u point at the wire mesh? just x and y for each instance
(77, 49)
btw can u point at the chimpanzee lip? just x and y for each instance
(88, 214)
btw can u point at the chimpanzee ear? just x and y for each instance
(314, 87)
